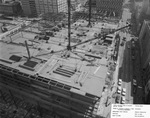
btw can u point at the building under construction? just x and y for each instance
(43, 71)
(54, 71)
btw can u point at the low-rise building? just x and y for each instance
(12, 8)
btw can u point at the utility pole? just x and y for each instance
(90, 13)
(69, 29)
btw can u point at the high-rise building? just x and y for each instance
(145, 11)
(109, 5)
(37, 7)
(144, 40)
(146, 82)
(114, 6)
(29, 7)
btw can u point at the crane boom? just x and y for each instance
(100, 36)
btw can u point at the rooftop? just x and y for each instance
(85, 71)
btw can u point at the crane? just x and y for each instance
(70, 48)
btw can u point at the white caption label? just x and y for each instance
(129, 110)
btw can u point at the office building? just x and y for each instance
(110, 5)
(115, 5)
(138, 9)
(146, 83)
(37, 7)
(55, 6)
(145, 12)
(29, 8)
(144, 40)
(107, 6)
(12, 8)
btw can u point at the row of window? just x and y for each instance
(50, 10)
(48, 1)
(41, 3)
(110, 1)
(46, 8)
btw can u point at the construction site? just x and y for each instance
(56, 72)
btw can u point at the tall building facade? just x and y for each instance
(107, 5)
(146, 82)
(29, 7)
(145, 12)
(37, 7)
(110, 5)
(55, 6)
(144, 39)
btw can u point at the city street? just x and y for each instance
(128, 67)
(125, 69)
(125, 62)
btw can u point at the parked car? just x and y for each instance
(117, 100)
(123, 100)
(123, 92)
(119, 89)
(119, 82)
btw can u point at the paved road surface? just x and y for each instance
(126, 73)
(125, 62)
(129, 67)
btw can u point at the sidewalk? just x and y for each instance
(115, 76)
